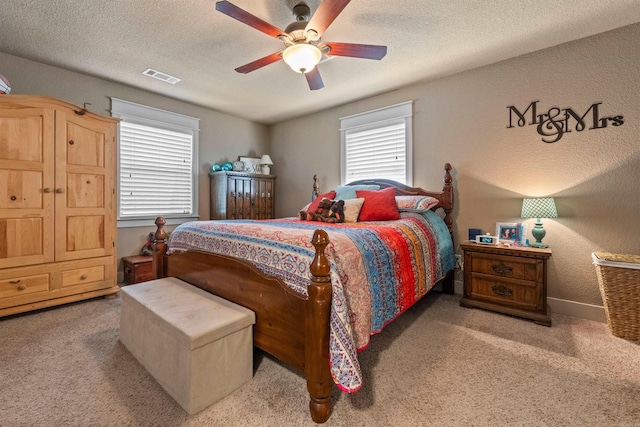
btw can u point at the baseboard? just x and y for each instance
(561, 306)
(577, 309)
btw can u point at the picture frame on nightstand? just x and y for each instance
(514, 233)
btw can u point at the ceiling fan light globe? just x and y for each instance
(302, 57)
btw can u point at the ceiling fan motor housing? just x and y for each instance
(301, 12)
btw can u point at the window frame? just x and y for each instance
(160, 119)
(379, 118)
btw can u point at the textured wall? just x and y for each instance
(222, 137)
(462, 119)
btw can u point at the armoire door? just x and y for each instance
(26, 186)
(84, 187)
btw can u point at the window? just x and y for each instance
(157, 165)
(377, 144)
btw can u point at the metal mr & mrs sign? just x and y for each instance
(553, 124)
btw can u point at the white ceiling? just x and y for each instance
(118, 39)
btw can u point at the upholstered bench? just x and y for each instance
(199, 347)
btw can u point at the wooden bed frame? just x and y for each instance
(290, 326)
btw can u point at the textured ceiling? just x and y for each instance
(118, 39)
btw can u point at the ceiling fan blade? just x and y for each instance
(243, 16)
(366, 51)
(259, 63)
(314, 79)
(327, 11)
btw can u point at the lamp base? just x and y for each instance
(539, 233)
(266, 169)
(538, 245)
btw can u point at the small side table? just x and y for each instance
(506, 279)
(137, 269)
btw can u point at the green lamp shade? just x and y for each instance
(542, 207)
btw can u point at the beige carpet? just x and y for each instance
(439, 364)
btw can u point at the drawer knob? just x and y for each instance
(60, 190)
(47, 190)
(502, 290)
(502, 269)
(84, 277)
(22, 287)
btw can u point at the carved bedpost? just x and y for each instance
(448, 283)
(159, 248)
(319, 381)
(316, 187)
(447, 189)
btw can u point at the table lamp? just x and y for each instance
(542, 207)
(265, 163)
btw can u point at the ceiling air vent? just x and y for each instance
(160, 76)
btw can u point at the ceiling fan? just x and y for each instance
(303, 48)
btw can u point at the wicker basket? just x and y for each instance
(619, 280)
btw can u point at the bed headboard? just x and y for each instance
(445, 196)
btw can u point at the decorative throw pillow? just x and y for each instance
(378, 205)
(314, 205)
(415, 203)
(352, 209)
(346, 192)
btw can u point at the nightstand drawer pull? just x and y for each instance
(502, 290)
(502, 269)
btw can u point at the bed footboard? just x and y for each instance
(290, 326)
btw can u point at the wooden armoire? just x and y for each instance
(57, 203)
(242, 195)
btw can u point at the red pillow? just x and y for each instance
(314, 205)
(378, 205)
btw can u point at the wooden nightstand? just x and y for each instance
(137, 269)
(507, 279)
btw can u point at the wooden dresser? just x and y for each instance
(57, 203)
(510, 280)
(239, 195)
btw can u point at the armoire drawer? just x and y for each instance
(82, 276)
(17, 286)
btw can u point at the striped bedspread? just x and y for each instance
(378, 269)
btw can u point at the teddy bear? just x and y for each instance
(321, 213)
(147, 249)
(337, 212)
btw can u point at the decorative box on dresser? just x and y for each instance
(57, 203)
(507, 279)
(240, 195)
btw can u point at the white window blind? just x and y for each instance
(377, 144)
(157, 164)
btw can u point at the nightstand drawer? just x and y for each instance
(522, 294)
(506, 266)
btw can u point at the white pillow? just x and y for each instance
(352, 209)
